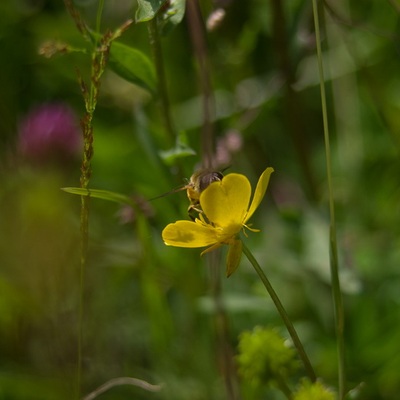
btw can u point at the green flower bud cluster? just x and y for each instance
(313, 391)
(265, 357)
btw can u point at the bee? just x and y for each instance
(198, 182)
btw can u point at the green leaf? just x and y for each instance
(169, 156)
(133, 65)
(173, 16)
(130, 64)
(180, 150)
(147, 9)
(101, 194)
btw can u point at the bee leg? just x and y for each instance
(194, 212)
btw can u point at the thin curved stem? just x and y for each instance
(336, 291)
(122, 381)
(282, 312)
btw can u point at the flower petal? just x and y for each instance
(189, 234)
(225, 203)
(234, 256)
(260, 192)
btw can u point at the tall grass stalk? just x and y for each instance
(90, 94)
(86, 170)
(336, 291)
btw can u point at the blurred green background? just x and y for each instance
(150, 311)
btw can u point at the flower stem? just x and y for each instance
(336, 291)
(282, 312)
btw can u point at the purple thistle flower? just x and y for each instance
(50, 132)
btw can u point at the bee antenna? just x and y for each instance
(179, 189)
(225, 168)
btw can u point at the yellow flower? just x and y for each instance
(226, 210)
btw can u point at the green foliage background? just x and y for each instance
(150, 310)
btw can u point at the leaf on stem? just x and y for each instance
(130, 64)
(173, 16)
(101, 194)
(133, 65)
(147, 9)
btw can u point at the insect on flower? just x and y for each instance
(226, 209)
(197, 183)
